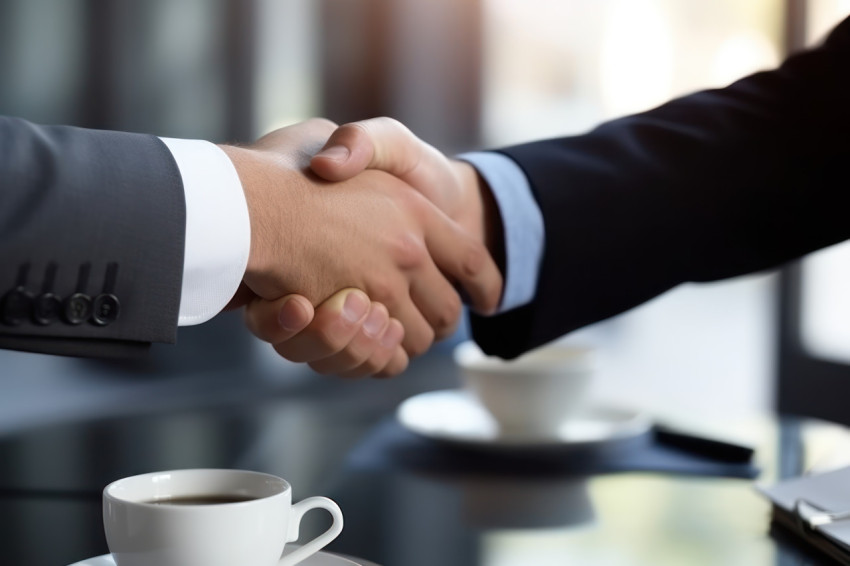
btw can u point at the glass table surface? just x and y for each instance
(51, 478)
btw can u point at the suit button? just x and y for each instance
(105, 309)
(46, 309)
(78, 308)
(16, 306)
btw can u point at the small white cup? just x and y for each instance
(532, 396)
(156, 519)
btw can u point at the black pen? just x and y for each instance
(701, 446)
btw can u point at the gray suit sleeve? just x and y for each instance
(92, 228)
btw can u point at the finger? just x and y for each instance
(280, 320)
(464, 260)
(397, 364)
(418, 334)
(379, 143)
(388, 346)
(336, 322)
(365, 344)
(395, 359)
(437, 300)
(297, 142)
(349, 150)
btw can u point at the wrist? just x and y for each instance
(262, 178)
(484, 219)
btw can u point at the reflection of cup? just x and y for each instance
(208, 518)
(527, 502)
(532, 396)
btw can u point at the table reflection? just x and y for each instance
(525, 503)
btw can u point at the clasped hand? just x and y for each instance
(360, 238)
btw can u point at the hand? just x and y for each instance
(387, 145)
(454, 186)
(333, 338)
(374, 233)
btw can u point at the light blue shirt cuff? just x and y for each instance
(522, 222)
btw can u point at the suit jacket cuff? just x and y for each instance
(522, 222)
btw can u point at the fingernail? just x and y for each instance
(292, 315)
(392, 337)
(355, 306)
(338, 153)
(374, 322)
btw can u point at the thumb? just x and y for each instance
(279, 320)
(378, 143)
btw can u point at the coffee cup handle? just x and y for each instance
(321, 541)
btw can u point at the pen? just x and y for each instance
(701, 446)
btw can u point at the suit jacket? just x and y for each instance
(719, 183)
(91, 240)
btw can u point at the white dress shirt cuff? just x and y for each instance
(522, 222)
(218, 230)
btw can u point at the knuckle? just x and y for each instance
(355, 131)
(409, 251)
(446, 320)
(474, 260)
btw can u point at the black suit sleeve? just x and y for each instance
(88, 214)
(719, 183)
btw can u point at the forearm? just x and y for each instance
(712, 185)
(73, 198)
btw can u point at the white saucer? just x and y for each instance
(455, 416)
(318, 559)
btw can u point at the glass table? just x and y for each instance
(51, 478)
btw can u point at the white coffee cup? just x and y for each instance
(195, 517)
(533, 396)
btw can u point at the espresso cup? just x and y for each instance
(533, 396)
(208, 517)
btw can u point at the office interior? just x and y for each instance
(463, 75)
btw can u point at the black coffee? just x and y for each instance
(202, 500)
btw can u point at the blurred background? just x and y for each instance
(463, 74)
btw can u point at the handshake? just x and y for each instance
(363, 238)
